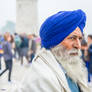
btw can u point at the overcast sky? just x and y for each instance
(46, 8)
(7, 11)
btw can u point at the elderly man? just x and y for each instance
(58, 67)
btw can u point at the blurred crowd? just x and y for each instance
(86, 49)
(17, 46)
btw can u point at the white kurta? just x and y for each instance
(45, 75)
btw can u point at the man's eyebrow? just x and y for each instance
(72, 36)
(76, 36)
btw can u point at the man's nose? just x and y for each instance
(78, 44)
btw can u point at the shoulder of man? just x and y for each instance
(40, 78)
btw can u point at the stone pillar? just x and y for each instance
(27, 16)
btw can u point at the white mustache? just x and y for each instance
(73, 51)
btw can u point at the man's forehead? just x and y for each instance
(76, 32)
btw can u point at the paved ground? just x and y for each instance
(17, 74)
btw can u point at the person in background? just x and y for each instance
(8, 56)
(32, 48)
(90, 56)
(1, 50)
(24, 48)
(85, 56)
(84, 48)
(17, 40)
(89, 39)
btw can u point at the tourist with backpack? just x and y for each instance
(18, 41)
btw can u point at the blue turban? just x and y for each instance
(58, 26)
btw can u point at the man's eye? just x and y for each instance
(72, 38)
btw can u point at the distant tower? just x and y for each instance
(27, 16)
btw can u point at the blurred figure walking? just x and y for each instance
(24, 48)
(90, 57)
(32, 48)
(17, 41)
(1, 50)
(7, 55)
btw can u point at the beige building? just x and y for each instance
(26, 16)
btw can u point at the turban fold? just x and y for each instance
(58, 26)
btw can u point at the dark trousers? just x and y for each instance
(89, 74)
(0, 61)
(0, 64)
(21, 58)
(8, 64)
(31, 57)
(17, 52)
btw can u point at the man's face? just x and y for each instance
(67, 54)
(73, 41)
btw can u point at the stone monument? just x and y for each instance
(26, 16)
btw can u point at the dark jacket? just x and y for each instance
(24, 43)
(90, 58)
(7, 51)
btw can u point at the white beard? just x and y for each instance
(73, 65)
